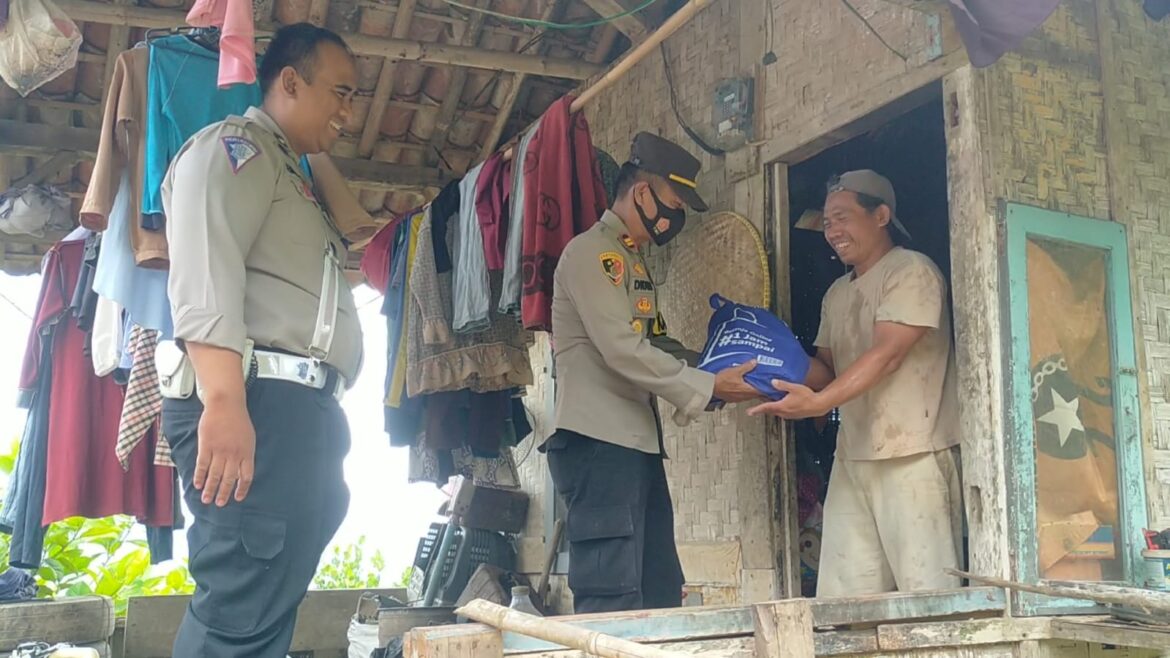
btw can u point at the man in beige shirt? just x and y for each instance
(262, 309)
(893, 515)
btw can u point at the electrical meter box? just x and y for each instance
(733, 108)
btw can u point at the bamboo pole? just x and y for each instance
(557, 632)
(668, 28)
(1145, 600)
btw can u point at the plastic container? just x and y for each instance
(522, 602)
(1157, 569)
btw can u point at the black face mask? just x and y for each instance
(676, 219)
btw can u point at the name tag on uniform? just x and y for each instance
(642, 284)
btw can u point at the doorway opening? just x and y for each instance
(911, 151)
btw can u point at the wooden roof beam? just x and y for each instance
(551, 13)
(394, 49)
(385, 86)
(630, 25)
(39, 139)
(450, 102)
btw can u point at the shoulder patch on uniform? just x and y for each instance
(240, 151)
(613, 266)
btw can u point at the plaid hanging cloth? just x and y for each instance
(143, 403)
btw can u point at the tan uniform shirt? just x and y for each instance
(121, 151)
(249, 243)
(914, 409)
(608, 372)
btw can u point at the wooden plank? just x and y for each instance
(322, 620)
(399, 621)
(385, 86)
(1103, 631)
(846, 643)
(450, 103)
(488, 508)
(859, 114)
(689, 624)
(905, 637)
(784, 629)
(396, 49)
(975, 285)
(35, 138)
(925, 6)
(908, 605)
(48, 168)
(711, 562)
(554, 10)
(631, 25)
(80, 620)
(15, 135)
(484, 643)
(733, 647)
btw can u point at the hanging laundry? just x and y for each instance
(563, 196)
(82, 475)
(121, 150)
(237, 46)
(471, 297)
(439, 359)
(990, 28)
(84, 303)
(182, 100)
(105, 340)
(443, 208)
(513, 269)
(397, 309)
(493, 192)
(143, 404)
(439, 466)
(142, 292)
(60, 471)
(24, 499)
(376, 257)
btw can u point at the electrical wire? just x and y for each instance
(873, 31)
(698, 139)
(536, 22)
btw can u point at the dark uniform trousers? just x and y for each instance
(253, 561)
(620, 526)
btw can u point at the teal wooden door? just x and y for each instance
(1075, 477)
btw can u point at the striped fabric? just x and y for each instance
(143, 403)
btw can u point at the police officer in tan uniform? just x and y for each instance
(270, 340)
(613, 362)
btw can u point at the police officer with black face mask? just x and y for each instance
(606, 454)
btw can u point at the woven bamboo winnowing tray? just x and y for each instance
(722, 254)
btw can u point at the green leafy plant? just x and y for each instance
(347, 568)
(98, 557)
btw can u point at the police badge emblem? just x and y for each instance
(613, 266)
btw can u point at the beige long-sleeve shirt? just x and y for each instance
(608, 372)
(248, 245)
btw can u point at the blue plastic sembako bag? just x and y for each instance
(738, 333)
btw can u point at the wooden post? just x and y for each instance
(385, 87)
(630, 25)
(784, 629)
(450, 102)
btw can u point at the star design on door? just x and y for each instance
(1064, 416)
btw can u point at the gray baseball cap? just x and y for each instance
(868, 181)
